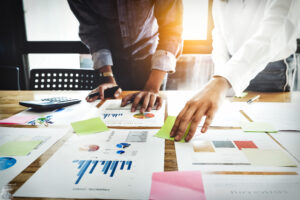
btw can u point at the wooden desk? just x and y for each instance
(9, 105)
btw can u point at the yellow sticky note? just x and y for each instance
(165, 130)
(18, 148)
(268, 157)
(89, 126)
(257, 127)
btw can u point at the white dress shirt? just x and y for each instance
(249, 34)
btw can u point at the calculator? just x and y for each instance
(49, 103)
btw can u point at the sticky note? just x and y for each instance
(268, 157)
(89, 126)
(165, 130)
(242, 95)
(18, 148)
(177, 185)
(258, 127)
(15, 119)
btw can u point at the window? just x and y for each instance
(53, 41)
(195, 19)
(50, 20)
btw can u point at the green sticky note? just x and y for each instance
(18, 148)
(242, 95)
(165, 130)
(89, 126)
(257, 127)
(268, 157)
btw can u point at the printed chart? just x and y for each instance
(114, 115)
(231, 148)
(108, 167)
(18, 148)
(103, 173)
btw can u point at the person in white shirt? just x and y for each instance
(248, 35)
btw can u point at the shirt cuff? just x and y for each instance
(164, 61)
(102, 58)
(233, 75)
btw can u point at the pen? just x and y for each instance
(253, 99)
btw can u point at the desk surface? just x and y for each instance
(9, 105)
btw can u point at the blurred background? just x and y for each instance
(37, 34)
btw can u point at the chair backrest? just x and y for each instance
(63, 79)
(9, 78)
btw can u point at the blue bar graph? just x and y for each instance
(112, 115)
(108, 167)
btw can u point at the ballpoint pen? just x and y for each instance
(253, 99)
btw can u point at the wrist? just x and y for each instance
(154, 81)
(221, 82)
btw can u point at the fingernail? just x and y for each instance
(177, 138)
(187, 138)
(171, 134)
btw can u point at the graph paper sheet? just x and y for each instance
(114, 115)
(117, 164)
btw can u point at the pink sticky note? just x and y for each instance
(15, 119)
(177, 185)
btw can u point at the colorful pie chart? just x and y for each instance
(144, 115)
(91, 147)
(7, 162)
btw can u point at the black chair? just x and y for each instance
(63, 79)
(9, 78)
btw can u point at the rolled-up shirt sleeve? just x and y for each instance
(102, 58)
(164, 61)
(169, 18)
(277, 29)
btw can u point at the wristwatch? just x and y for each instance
(106, 74)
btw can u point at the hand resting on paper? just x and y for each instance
(149, 97)
(146, 99)
(203, 104)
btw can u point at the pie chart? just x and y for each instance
(7, 162)
(143, 115)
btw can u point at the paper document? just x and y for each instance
(229, 148)
(290, 141)
(261, 127)
(113, 114)
(248, 187)
(117, 164)
(25, 146)
(283, 116)
(58, 118)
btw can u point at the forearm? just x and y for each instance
(155, 80)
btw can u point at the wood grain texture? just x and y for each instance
(9, 105)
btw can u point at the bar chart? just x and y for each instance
(107, 167)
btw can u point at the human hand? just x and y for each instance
(205, 103)
(100, 90)
(147, 99)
